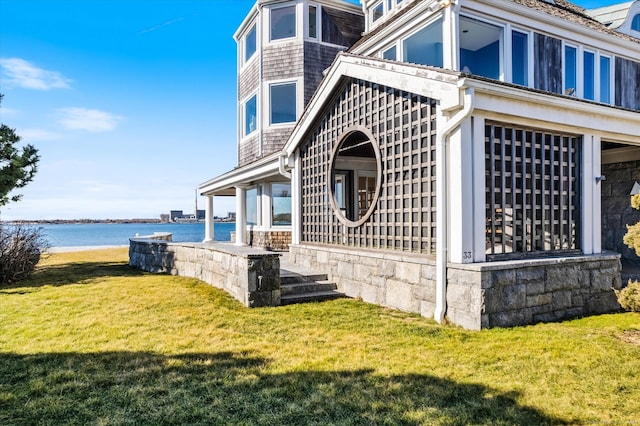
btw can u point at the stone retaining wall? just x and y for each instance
(251, 276)
(493, 294)
(270, 240)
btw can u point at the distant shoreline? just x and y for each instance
(79, 221)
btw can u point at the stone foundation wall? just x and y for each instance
(493, 294)
(616, 206)
(250, 276)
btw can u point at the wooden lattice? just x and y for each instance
(532, 193)
(404, 128)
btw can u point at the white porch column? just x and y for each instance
(460, 187)
(208, 218)
(241, 216)
(265, 203)
(591, 195)
(296, 200)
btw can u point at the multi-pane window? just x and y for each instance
(250, 112)
(519, 58)
(250, 44)
(589, 75)
(283, 23)
(570, 70)
(377, 12)
(283, 103)
(532, 193)
(425, 46)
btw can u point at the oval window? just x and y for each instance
(355, 177)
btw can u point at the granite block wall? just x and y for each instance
(481, 295)
(250, 276)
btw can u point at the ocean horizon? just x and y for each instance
(118, 234)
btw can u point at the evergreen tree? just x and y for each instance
(17, 166)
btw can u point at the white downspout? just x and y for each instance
(281, 166)
(442, 201)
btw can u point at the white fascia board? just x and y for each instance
(263, 168)
(529, 108)
(521, 16)
(248, 20)
(420, 80)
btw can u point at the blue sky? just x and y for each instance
(131, 103)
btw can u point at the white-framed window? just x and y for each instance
(520, 57)
(252, 206)
(250, 44)
(282, 22)
(424, 47)
(281, 204)
(283, 103)
(390, 53)
(589, 75)
(481, 48)
(377, 11)
(570, 70)
(605, 80)
(250, 115)
(313, 22)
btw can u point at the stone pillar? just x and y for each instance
(208, 227)
(241, 216)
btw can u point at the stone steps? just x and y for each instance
(297, 288)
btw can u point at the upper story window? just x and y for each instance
(520, 58)
(635, 24)
(377, 11)
(589, 75)
(425, 46)
(250, 43)
(605, 79)
(480, 48)
(570, 70)
(313, 22)
(283, 23)
(283, 103)
(250, 115)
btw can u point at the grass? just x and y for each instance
(88, 340)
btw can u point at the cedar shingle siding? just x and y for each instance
(627, 77)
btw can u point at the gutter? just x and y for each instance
(281, 165)
(442, 199)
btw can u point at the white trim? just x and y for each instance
(267, 85)
(267, 29)
(479, 211)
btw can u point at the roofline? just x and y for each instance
(242, 176)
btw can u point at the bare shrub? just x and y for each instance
(20, 251)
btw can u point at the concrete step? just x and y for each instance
(316, 296)
(307, 287)
(294, 278)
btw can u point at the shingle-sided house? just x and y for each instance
(468, 160)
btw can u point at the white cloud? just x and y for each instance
(91, 120)
(35, 135)
(21, 73)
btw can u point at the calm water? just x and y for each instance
(117, 234)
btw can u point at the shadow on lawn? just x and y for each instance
(232, 388)
(74, 273)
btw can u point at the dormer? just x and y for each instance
(623, 17)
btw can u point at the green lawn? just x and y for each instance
(89, 340)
